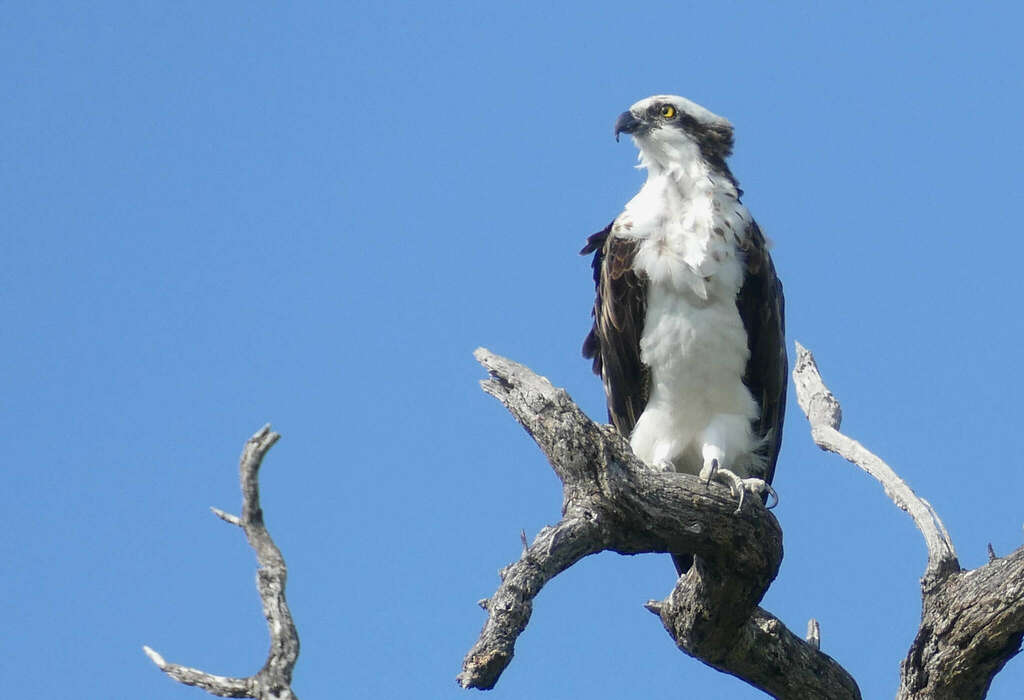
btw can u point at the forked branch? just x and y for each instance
(972, 622)
(274, 679)
(611, 501)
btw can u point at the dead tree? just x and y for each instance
(972, 622)
(273, 681)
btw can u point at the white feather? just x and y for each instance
(689, 223)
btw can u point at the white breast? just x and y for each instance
(690, 227)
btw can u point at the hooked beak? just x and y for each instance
(626, 124)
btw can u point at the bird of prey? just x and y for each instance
(688, 333)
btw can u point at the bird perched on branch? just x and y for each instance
(688, 332)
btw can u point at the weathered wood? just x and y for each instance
(612, 501)
(824, 414)
(273, 681)
(972, 622)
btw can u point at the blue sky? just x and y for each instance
(223, 214)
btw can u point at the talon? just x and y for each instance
(739, 506)
(712, 472)
(739, 486)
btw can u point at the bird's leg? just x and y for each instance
(661, 459)
(713, 470)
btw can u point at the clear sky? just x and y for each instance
(222, 214)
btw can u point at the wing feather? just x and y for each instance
(621, 306)
(762, 307)
(614, 341)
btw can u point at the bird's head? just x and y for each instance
(671, 130)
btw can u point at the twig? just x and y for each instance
(274, 679)
(227, 517)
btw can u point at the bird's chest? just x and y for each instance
(689, 242)
(689, 252)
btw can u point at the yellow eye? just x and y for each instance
(668, 111)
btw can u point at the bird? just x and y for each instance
(688, 331)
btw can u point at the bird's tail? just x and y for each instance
(683, 562)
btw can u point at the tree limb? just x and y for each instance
(274, 679)
(825, 414)
(612, 501)
(972, 622)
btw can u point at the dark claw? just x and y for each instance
(772, 494)
(712, 472)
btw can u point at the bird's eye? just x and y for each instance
(668, 111)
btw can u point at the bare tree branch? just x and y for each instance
(612, 501)
(222, 686)
(273, 681)
(824, 414)
(972, 622)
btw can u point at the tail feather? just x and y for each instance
(683, 562)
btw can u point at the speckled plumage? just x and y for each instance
(688, 332)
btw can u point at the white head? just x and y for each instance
(672, 131)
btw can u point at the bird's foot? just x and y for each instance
(738, 485)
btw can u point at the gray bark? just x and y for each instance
(612, 501)
(972, 622)
(273, 681)
(825, 414)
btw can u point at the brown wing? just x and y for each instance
(762, 308)
(614, 341)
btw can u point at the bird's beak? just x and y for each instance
(626, 124)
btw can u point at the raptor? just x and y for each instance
(688, 333)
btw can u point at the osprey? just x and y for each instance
(688, 332)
